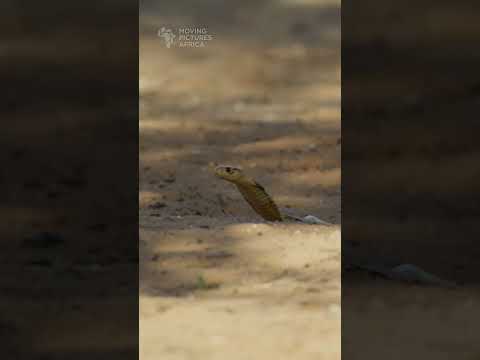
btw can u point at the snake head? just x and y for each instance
(229, 173)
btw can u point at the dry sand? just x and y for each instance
(216, 282)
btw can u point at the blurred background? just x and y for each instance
(410, 94)
(69, 145)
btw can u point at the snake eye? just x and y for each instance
(228, 170)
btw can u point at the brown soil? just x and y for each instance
(216, 281)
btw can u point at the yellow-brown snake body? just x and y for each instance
(252, 192)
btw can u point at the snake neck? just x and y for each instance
(260, 201)
(244, 181)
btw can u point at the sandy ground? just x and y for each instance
(216, 281)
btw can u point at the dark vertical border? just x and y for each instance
(410, 95)
(69, 180)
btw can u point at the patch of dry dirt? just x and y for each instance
(216, 281)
